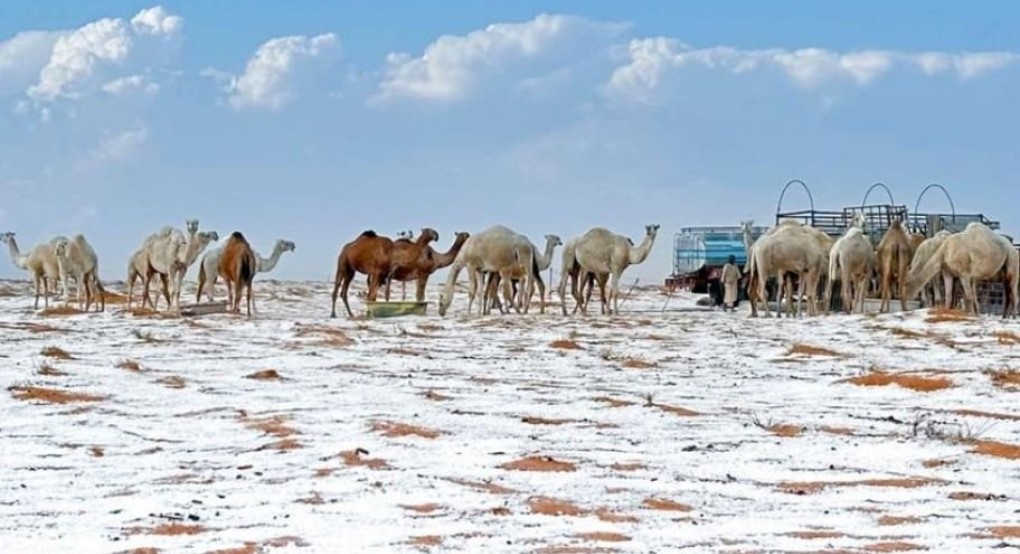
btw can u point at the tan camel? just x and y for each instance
(434, 261)
(77, 258)
(496, 249)
(605, 255)
(238, 266)
(139, 267)
(408, 256)
(170, 254)
(973, 255)
(525, 269)
(852, 261)
(41, 262)
(369, 254)
(1011, 279)
(542, 262)
(790, 248)
(894, 256)
(930, 295)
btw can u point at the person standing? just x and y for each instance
(731, 283)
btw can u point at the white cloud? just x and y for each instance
(83, 59)
(648, 60)
(22, 56)
(114, 147)
(267, 79)
(131, 84)
(452, 65)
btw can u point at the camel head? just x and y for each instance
(857, 220)
(60, 248)
(192, 225)
(285, 246)
(205, 237)
(461, 237)
(428, 234)
(553, 240)
(7, 238)
(652, 230)
(747, 225)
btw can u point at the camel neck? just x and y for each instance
(267, 264)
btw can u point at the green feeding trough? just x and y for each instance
(394, 309)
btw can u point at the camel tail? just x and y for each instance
(920, 277)
(247, 269)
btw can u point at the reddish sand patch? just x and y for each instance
(675, 410)
(275, 425)
(565, 344)
(997, 449)
(433, 395)
(633, 466)
(1005, 531)
(248, 548)
(942, 315)
(906, 333)
(168, 530)
(538, 463)
(34, 328)
(837, 430)
(912, 382)
(500, 511)
(603, 536)
(887, 521)
(56, 353)
(971, 495)
(52, 396)
(50, 371)
(609, 516)
(534, 420)
(1007, 337)
(328, 336)
(637, 363)
(426, 540)
(172, 382)
(554, 507)
(129, 365)
(785, 430)
(989, 415)
(807, 487)
(482, 486)
(801, 349)
(422, 508)
(97, 452)
(813, 534)
(264, 375)
(58, 311)
(662, 504)
(353, 458)
(893, 546)
(394, 429)
(614, 402)
(1006, 379)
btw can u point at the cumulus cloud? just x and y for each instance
(650, 59)
(115, 146)
(82, 60)
(451, 66)
(267, 81)
(131, 84)
(22, 56)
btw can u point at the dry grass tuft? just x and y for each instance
(426, 540)
(538, 463)
(906, 333)
(675, 410)
(942, 315)
(893, 546)
(172, 382)
(997, 449)
(937, 462)
(808, 487)
(812, 534)
(971, 495)
(264, 375)
(482, 486)
(52, 396)
(565, 344)
(603, 536)
(637, 363)
(665, 505)
(353, 458)
(97, 452)
(404, 352)
(534, 420)
(394, 429)
(328, 336)
(435, 396)
(912, 382)
(130, 365)
(1007, 337)
(56, 353)
(801, 349)
(633, 466)
(50, 371)
(888, 521)
(422, 508)
(60, 311)
(785, 430)
(1007, 379)
(614, 402)
(989, 415)
(609, 516)
(33, 327)
(846, 431)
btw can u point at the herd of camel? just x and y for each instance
(496, 258)
(905, 263)
(500, 260)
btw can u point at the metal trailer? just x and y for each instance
(699, 250)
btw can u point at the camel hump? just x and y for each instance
(370, 234)
(236, 235)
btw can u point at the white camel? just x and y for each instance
(790, 248)
(40, 262)
(170, 255)
(542, 262)
(497, 249)
(930, 295)
(976, 254)
(852, 261)
(77, 258)
(208, 271)
(606, 255)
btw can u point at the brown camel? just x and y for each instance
(238, 266)
(429, 263)
(409, 256)
(894, 257)
(370, 254)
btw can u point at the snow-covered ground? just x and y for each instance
(655, 431)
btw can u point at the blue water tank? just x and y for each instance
(695, 248)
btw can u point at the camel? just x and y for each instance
(542, 263)
(409, 256)
(208, 270)
(894, 256)
(973, 255)
(170, 254)
(526, 269)
(77, 257)
(1011, 279)
(916, 239)
(497, 249)
(370, 254)
(41, 262)
(430, 262)
(930, 295)
(605, 255)
(139, 268)
(790, 247)
(238, 266)
(569, 271)
(851, 261)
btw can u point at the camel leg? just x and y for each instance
(346, 279)
(614, 293)
(420, 285)
(947, 280)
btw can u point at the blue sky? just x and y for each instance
(313, 121)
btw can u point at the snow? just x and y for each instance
(101, 476)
